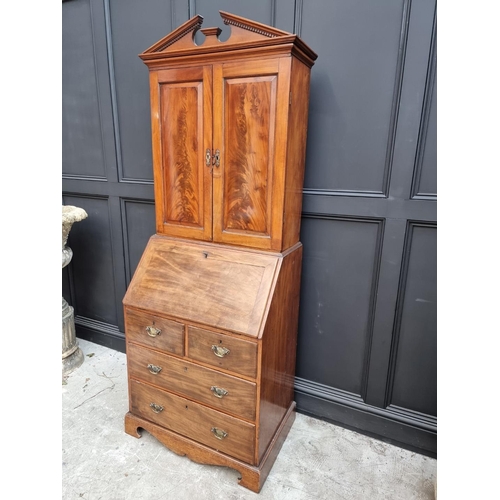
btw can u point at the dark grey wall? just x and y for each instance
(367, 337)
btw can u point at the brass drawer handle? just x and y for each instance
(156, 408)
(154, 369)
(152, 331)
(220, 351)
(218, 391)
(219, 433)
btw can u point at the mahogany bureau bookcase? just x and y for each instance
(211, 314)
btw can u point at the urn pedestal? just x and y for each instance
(72, 356)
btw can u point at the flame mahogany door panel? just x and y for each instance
(182, 132)
(248, 187)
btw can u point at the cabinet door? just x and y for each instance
(181, 104)
(250, 100)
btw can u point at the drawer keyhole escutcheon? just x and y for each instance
(154, 369)
(152, 331)
(218, 391)
(220, 351)
(156, 408)
(219, 433)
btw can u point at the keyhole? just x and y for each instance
(205, 254)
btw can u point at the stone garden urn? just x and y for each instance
(72, 356)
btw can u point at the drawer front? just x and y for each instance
(229, 353)
(223, 392)
(235, 437)
(153, 331)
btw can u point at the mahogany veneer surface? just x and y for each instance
(194, 381)
(220, 286)
(211, 313)
(221, 388)
(229, 122)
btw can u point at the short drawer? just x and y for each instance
(209, 427)
(154, 331)
(229, 353)
(222, 392)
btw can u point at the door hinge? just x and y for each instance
(290, 101)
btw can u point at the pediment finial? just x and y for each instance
(245, 33)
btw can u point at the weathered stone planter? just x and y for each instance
(72, 356)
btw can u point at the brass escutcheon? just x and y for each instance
(217, 158)
(219, 433)
(152, 331)
(218, 391)
(220, 351)
(156, 408)
(154, 369)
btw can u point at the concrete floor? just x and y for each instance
(318, 460)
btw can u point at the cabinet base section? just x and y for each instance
(252, 477)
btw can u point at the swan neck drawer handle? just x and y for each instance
(220, 351)
(154, 369)
(152, 331)
(156, 408)
(218, 391)
(219, 433)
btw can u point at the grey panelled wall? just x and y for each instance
(367, 333)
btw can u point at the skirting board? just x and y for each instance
(369, 421)
(100, 333)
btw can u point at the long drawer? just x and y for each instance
(221, 391)
(210, 427)
(223, 351)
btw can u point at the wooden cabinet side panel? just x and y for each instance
(129, 298)
(279, 343)
(296, 152)
(154, 92)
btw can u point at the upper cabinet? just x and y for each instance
(229, 125)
